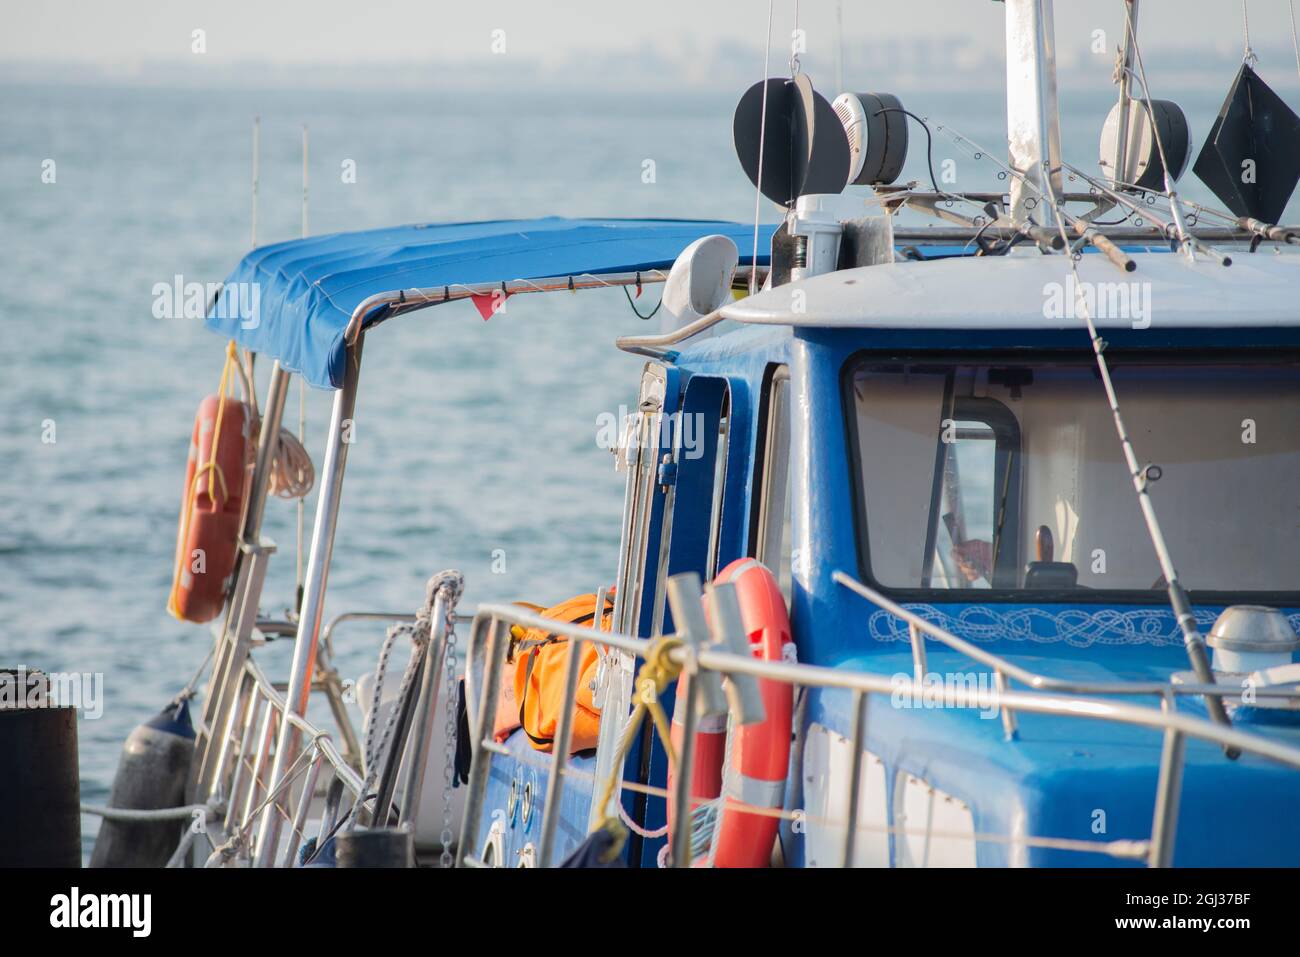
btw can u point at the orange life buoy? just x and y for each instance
(760, 753)
(212, 506)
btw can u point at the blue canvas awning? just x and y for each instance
(292, 301)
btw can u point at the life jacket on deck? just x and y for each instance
(535, 698)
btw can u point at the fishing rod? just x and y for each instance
(1142, 477)
(1086, 234)
(1169, 229)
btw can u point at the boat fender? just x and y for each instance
(464, 751)
(376, 847)
(151, 774)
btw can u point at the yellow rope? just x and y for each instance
(657, 673)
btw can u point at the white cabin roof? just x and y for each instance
(1030, 291)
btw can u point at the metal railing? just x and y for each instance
(242, 783)
(250, 737)
(1004, 670)
(707, 657)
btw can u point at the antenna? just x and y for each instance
(257, 149)
(1120, 158)
(305, 144)
(839, 46)
(302, 394)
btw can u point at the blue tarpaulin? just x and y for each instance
(292, 301)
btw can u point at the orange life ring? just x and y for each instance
(760, 753)
(212, 507)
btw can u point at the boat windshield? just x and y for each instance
(1010, 476)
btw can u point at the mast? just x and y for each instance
(1120, 163)
(1033, 120)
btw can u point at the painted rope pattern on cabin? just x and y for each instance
(1078, 627)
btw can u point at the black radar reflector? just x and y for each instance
(1251, 159)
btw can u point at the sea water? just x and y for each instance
(476, 443)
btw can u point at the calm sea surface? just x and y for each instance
(470, 436)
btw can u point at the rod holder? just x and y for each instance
(728, 632)
(685, 600)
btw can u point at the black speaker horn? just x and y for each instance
(804, 147)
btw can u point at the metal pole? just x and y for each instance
(392, 760)
(302, 407)
(257, 149)
(1168, 792)
(919, 665)
(300, 815)
(1126, 55)
(681, 837)
(482, 758)
(228, 660)
(855, 775)
(309, 620)
(250, 713)
(265, 729)
(425, 714)
(268, 443)
(560, 747)
(1009, 726)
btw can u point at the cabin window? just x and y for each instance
(770, 535)
(1008, 477)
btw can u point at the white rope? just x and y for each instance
(183, 849)
(727, 776)
(1295, 43)
(636, 828)
(135, 815)
(292, 473)
(1249, 55)
(794, 56)
(762, 139)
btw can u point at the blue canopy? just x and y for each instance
(292, 301)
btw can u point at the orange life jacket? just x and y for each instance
(540, 664)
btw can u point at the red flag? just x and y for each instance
(488, 305)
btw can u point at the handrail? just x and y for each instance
(654, 346)
(320, 740)
(957, 697)
(408, 300)
(327, 633)
(1176, 726)
(1033, 678)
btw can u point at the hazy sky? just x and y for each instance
(120, 33)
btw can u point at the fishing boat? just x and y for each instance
(961, 545)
